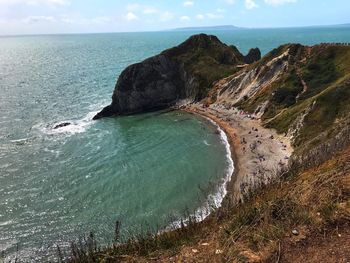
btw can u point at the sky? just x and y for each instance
(88, 16)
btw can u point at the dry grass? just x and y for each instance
(306, 202)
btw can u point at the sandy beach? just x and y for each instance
(260, 155)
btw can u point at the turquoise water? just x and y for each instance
(56, 185)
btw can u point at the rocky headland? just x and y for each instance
(185, 72)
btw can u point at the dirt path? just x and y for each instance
(259, 153)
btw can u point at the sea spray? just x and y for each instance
(74, 126)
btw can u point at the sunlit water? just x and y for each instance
(145, 170)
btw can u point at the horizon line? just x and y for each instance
(172, 30)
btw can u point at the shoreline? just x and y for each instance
(254, 166)
(230, 135)
(214, 200)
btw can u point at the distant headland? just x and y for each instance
(208, 28)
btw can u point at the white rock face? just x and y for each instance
(248, 83)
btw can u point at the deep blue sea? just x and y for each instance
(146, 170)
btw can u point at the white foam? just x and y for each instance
(206, 143)
(6, 223)
(75, 126)
(5, 246)
(20, 141)
(214, 201)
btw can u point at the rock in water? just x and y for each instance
(183, 72)
(61, 125)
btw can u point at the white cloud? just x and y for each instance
(220, 10)
(150, 10)
(185, 18)
(166, 16)
(213, 16)
(230, 2)
(208, 16)
(130, 16)
(279, 2)
(34, 2)
(55, 2)
(79, 20)
(67, 19)
(37, 19)
(101, 20)
(250, 4)
(188, 3)
(140, 12)
(132, 7)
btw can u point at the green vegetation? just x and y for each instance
(330, 107)
(320, 71)
(287, 93)
(207, 70)
(282, 121)
(316, 85)
(284, 94)
(207, 59)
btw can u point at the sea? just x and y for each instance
(146, 171)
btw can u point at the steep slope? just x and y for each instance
(300, 91)
(183, 72)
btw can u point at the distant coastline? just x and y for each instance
(221, 27)
(181, 29)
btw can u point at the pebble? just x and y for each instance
(195, 250)
(295, 232)
(218, 251)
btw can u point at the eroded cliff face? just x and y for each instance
(183, 72)
(301, 91)
(154, 83)
(251, 80)
(258, 79)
